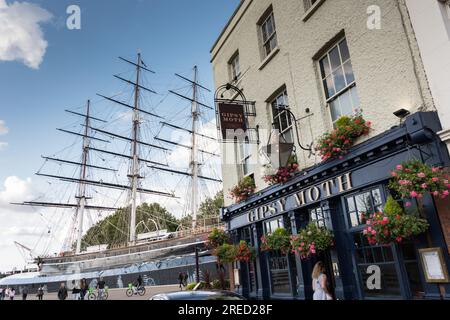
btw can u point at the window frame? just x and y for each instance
(308, 4)
(245, 155)
(233, 62)
(348, 85)
(273, 36)
(277, 118)
(360, 227)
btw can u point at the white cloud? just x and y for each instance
(3, 128)
(15, 190)
(21, 37)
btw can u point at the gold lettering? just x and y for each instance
(327, 187)
(282, 204)
(300, 198)
(345, 185)
(316, 195)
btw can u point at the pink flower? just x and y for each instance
(424, 186)
(421, 175)
(435, 179)
(434, 169)
(374, 232)
(414, 194)
(436, 193)
(394, 174)
(386, 219)
(446, 193)
(408, 204)
(399, 167)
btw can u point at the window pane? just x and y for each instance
(345, 101)
(351, 204)
(377, 197)
(344, 50)
(325, 67)
(348, 69)
(334, 58)
(329, 87)
(339, 80)
(335, 110)
(355, 98)
(273, 42)
(364, 203)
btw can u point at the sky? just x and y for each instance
(46, 68)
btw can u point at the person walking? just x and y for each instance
(24, 293)
(181, 280)
(12, 293)
(40, 293)
(319, 283)
(83, 288)
(75, 290)
(62, 292)
(185, 279)
(101, 288)
(2, 291)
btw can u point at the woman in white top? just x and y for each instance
(319, 283)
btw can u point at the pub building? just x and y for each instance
(335, 194)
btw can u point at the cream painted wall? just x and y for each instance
(386, 63)
(431, 23)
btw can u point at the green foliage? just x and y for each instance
(208, 212)
(244, 252)
(393, 225)
(113, 230)
(218, 237)
(392, 207)
(226, 253)
(311, 240)
(278, 240)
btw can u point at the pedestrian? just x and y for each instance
(1, 293)
(40, 293)
(319, 283)
(12, 294)
(62, 292)
(185, 279)
(101, 284)
(75, 290)
(181, 280)
(83, 288)
(24, 293)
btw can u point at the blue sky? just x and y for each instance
(173, 36)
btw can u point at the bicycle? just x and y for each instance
(132, 290)
(95, 296)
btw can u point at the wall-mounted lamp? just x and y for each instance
(402, 113)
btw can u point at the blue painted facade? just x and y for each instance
(369, 164)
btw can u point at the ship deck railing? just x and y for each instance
(140, 246)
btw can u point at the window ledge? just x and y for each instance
(311, 10)
(269, 58)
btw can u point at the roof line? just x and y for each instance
(227, 25)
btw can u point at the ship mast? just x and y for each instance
(82, 186)
(194, 151)
(134, 175)
(194, 170)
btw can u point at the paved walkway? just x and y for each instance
(115, 294)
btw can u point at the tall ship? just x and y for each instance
(131, 163)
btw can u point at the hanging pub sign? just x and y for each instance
(232, 118)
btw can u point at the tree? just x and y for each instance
(208, 212)
(114, 229)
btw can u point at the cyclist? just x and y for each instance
(101, 288)
(138, 284)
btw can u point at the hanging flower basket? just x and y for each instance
(337, 143)
(245, 188)
(413, 179)
(245, 252)
(393, 225)
(226, 253)
(283, 174)
(277, 241)
(218, 237)
(311, 240)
